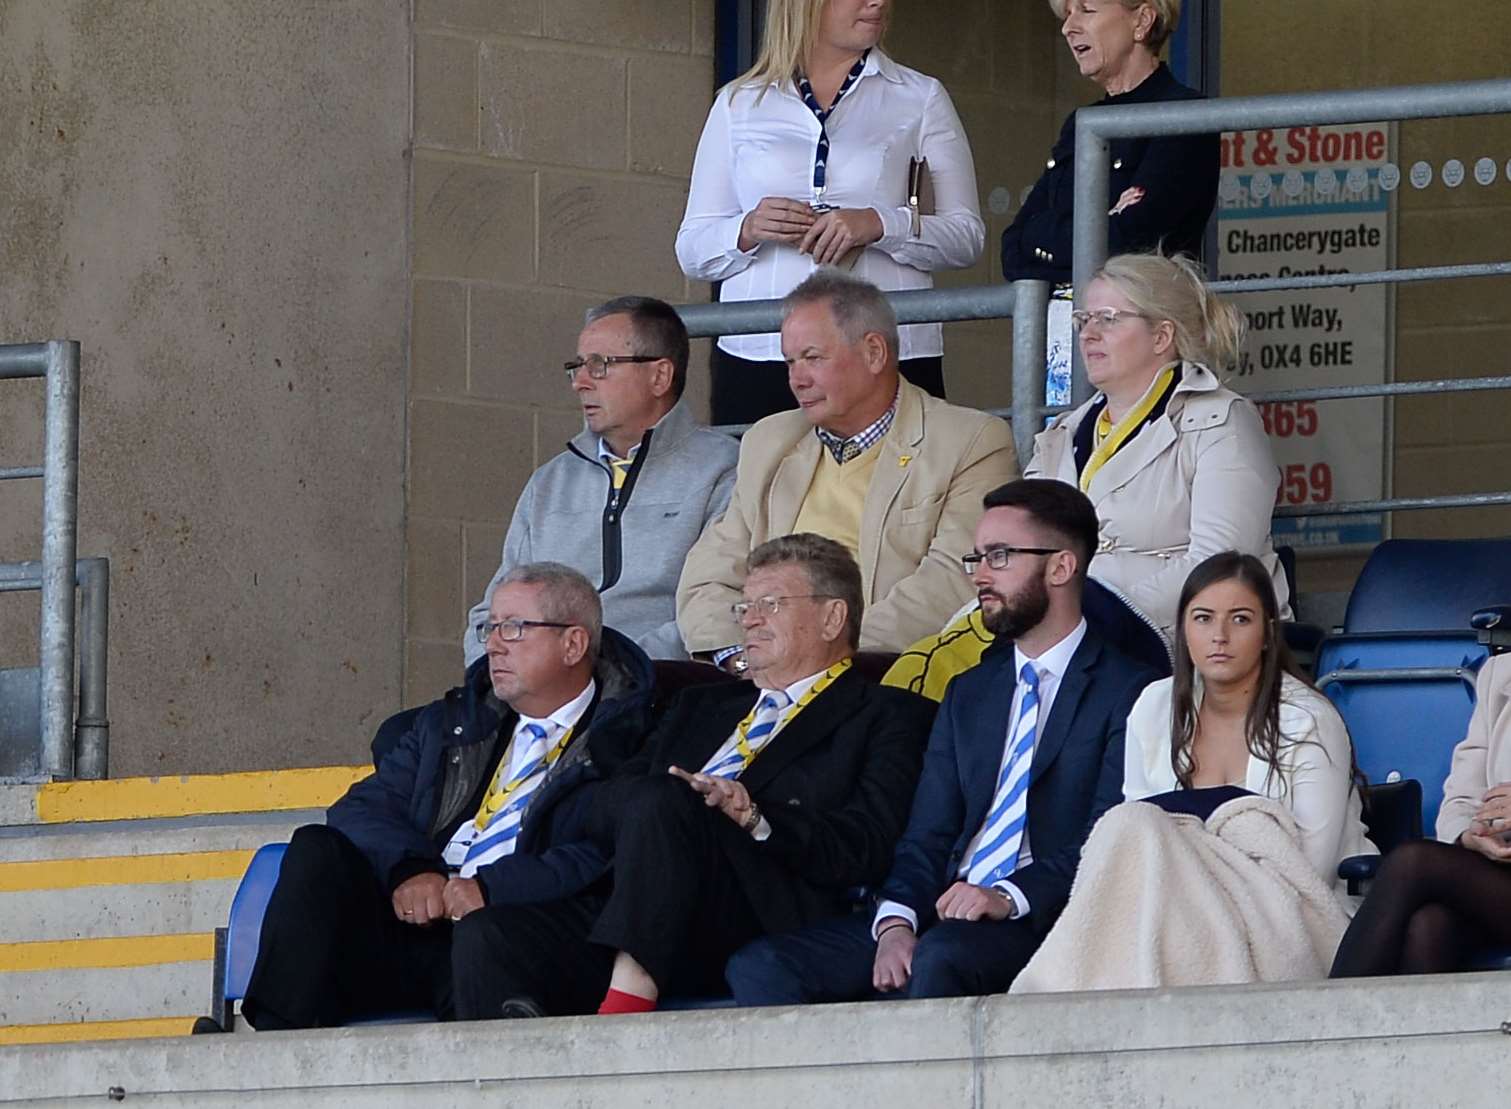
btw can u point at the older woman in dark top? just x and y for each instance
(1162, 189)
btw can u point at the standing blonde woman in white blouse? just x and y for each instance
(806, 161)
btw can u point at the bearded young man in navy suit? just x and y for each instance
(1026, 753)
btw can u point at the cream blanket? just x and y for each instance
(1167, 900)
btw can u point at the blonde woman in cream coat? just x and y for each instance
(1179, 465)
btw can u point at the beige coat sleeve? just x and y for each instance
(920, 603)
(1468, 776)
(714, 569)
(1232, 497)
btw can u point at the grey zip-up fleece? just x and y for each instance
(633, 551)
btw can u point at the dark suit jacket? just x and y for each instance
(1178, 174)
(1077, 774)
(834, 785)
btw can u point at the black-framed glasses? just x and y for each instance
(770, 606)
(997, 558)
(598, 365)
(511, 630)
(1102, 317)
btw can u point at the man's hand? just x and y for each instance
(418, 900)
(461, 896)
(894, 954)
(729, 797)
(963, 901)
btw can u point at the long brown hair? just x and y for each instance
(1262, 722)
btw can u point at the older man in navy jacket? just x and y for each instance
(1026, 753)
(478, 804)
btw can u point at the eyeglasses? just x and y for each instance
(598, 364)
(770, 606)
(1102, 317)
(997, 558)
(511, 630)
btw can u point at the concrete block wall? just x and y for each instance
(552, 145)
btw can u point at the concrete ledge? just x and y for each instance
(1401, 1041)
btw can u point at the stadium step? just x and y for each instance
(110, 894)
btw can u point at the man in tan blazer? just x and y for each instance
(867, 460)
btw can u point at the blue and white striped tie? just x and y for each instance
(768, 711)
(997, 857)
(497, 839)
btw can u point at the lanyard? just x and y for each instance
(747, 755)
(497, 798)
(1110, 438)
(821, 155)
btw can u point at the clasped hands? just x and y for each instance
(828, 236)
(429, 897)
(1489, 832)
(894, 946)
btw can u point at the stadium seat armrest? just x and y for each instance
(1358, 871)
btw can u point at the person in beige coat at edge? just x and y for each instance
(868, 460)
(1177, 464)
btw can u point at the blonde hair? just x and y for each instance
(1208, 329)
(792, 27)
(1166, 18)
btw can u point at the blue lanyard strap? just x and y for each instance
(821, 155)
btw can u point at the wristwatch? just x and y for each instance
(739, 664)
(752, 819)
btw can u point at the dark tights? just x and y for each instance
(1431, 907)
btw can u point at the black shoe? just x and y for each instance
(204, 1026)
(519, 1008)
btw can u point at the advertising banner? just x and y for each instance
(1314, 200)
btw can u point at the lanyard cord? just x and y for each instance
(821, 155)
(494, 802)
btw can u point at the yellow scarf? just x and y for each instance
(1110, 438)
(748, 756)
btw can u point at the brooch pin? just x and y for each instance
(903, 460)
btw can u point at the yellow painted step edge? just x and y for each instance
(122, 870)
(192, 795)
(77, 1031)
(113, 951)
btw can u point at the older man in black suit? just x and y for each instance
(1026, 754)
(749, 811)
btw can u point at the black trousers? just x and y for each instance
(677, 907)
(833, 961)
(331, 948)
(744, 391)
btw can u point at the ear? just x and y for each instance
(1164, 337)
(1060, 568)
(1144, 23)
(662, 374)
(874, 347)
(574, 645)
(836, 616)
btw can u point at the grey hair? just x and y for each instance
(566, 597)
(858, 307)
(830, 567)
(659, 331)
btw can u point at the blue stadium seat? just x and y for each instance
(236, 944)
(1406, 699)
(1428, 584)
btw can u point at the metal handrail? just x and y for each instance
(91, 731)
(58, 363)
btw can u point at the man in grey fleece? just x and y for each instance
(633, 491)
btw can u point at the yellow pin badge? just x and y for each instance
(903, 460)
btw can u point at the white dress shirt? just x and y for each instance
(558, 722)
(752, 150)
(1051, 666)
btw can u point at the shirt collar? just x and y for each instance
(879, 63)
(567, 715)
(1056, 660)
(844, 450)
(606, 453)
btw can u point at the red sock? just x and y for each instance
(617, 1001)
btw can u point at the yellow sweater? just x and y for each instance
(836, 497)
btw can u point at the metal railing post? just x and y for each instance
(60, 519)
(92, 729)
(1030, 341)
(1093, 172)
